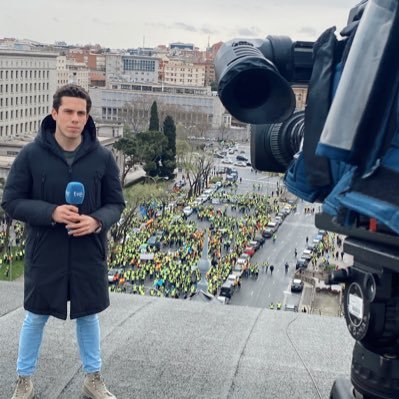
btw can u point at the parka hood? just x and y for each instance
(46, 138)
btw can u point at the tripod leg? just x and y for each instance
(342, 389)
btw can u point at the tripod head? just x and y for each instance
(371, 306)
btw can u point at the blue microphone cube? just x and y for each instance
(74, 193)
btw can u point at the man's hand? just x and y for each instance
(65, 214)
(85, 225)
(77, 225)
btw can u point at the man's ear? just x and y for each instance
(54, 114)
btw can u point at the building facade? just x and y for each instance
(183, 73)
(131, 68)
(131, 103)
(28, 81)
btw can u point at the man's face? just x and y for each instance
(70, 119)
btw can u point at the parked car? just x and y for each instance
(154, 242)
(241, 157)
(286, 210)
(188, 210)
(240, 266)
(301, 263)
(255, 244)
(249, 250)
(267, 232)
(227, 289)
(270, 229)
(260, 239)
(235, 279)
(231, 177)
(278, 220)
(307, 254)
(296, 285)
(203, 198)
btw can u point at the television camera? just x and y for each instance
(342, 151)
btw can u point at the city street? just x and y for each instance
(290, 235)
(276, 288)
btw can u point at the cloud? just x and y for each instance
(252, 31)
(308, 31)
(185, 27)
(98, 21)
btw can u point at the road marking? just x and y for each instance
(252, 293)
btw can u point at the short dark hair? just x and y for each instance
(71, 90)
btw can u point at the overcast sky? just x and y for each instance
(130, 23)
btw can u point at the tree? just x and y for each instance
(135, 196)
(169, 156)
(154, 119)
(198, 167)
(135, 113)
(151, 146)
(128, 145)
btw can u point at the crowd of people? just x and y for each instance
(172, 270)
(224, 230)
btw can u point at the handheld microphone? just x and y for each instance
(74, 193)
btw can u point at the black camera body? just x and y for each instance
(342, 151)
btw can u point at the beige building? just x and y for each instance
(71, 71)
(62, 71)
(28, 81)
(183, 73)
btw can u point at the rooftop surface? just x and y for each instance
(166, 348)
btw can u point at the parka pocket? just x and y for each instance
(33, 244)
(100, 245)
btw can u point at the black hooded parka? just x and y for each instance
(58, 267)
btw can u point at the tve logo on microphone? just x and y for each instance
(74, 193)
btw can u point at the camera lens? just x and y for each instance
(273, 146)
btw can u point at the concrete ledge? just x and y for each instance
(164, 348)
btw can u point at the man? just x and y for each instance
(66, 248)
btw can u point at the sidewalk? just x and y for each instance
(317, 297)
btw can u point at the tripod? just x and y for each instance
(371, 308)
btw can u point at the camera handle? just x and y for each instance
(371, 308)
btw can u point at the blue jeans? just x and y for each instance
(87, 333)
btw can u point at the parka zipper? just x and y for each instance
(69, 237)
(42, 187)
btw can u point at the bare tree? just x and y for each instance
(197, 167)
(136, 113)
(135, 196)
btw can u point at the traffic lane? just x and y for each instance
(291, 234)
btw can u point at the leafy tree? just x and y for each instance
(169, 156)
(154, 119)
(128, 145)
(169, 130)
(151, 146)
